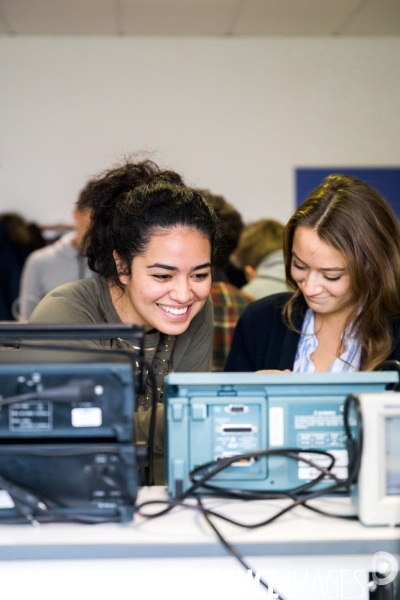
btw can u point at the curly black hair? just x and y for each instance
(129, 204)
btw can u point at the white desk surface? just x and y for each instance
(184, 532)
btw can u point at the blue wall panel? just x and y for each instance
(385, 180)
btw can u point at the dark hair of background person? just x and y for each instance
(258, 240)
(132, 202)
(85, 197)
(17, 240)
(231, 226)
(27, 236)
(353, 218)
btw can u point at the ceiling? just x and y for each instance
(199, 17)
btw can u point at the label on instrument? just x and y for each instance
(86, 417)
(29, 416)
(276, 426)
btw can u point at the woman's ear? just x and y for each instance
(122, 270)
(250, 272)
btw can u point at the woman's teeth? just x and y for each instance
(174, 311)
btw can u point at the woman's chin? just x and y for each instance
(174, 327)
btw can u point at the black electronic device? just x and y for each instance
(14, 335)
(63, 482)
(55, 394)
(67, 448)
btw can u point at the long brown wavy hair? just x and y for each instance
(353, 218)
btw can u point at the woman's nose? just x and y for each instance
(311, 284)
(181, 292)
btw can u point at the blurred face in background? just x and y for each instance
(82, 221)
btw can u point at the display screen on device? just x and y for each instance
(393, 456)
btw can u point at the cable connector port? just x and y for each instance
(242, 462)
(231, 428)
(236, 408)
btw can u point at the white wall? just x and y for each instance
(236, 115)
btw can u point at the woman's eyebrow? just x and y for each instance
(322, 269)
(169, 268)
(204, 266)
(161, 266)
(297, 257)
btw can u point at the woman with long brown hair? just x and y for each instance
(342, 260)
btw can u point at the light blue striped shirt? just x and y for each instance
(348, 361)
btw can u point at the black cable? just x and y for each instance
(292, 453)
(75, 391)
(390, 365)
(257, 495)
(328, 514)
(172, 503)
(354, 447)
(224, 463)
(36, 513)
(232, 550)
(354, 451)
(152, 428)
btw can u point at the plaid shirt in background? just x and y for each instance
(229, 303)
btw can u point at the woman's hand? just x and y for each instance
(274, 371)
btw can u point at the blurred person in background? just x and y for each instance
(17, 240)
(259, 253)
(57, 263)
(229, 301)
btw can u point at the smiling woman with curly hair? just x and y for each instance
(151, 241)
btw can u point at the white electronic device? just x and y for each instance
(377, 494)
